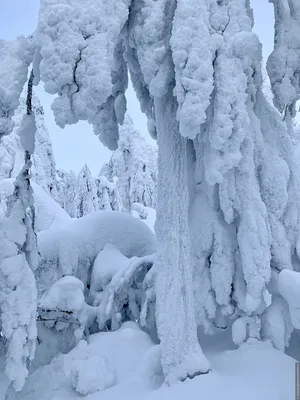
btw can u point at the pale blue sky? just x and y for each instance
(76, 144)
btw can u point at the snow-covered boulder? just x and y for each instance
(48, 211)
(72, 248)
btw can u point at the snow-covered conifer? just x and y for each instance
(134, 164)
(86, 193)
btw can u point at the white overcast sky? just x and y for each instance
(76, 144)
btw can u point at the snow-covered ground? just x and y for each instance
(125, 365)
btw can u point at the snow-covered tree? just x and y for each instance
(107, 194)
(86, 193)
(12, 153)
(18, 260)
(228, 185)
(134, 164)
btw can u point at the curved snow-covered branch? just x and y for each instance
(118, 292)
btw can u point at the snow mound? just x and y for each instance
(92, 375)
(48, 212)
(65, 294)
(72, 248)
(255, 371)
(123, 351)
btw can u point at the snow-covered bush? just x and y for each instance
(72, 248)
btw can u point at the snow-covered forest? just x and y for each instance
(174, 272)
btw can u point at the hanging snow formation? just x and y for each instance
(81, 53)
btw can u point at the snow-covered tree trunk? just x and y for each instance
(18, 260)
(182, 356)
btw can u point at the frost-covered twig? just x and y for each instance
(119, 291)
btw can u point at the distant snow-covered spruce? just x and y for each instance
(134, 166)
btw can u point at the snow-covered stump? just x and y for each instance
(181, 354)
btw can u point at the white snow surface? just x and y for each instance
(48, 211)
(255, 371)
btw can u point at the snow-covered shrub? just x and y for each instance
(72, 248)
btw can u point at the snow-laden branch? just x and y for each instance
(120, 291)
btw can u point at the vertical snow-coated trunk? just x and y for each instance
(18, 260)
(182, 356)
